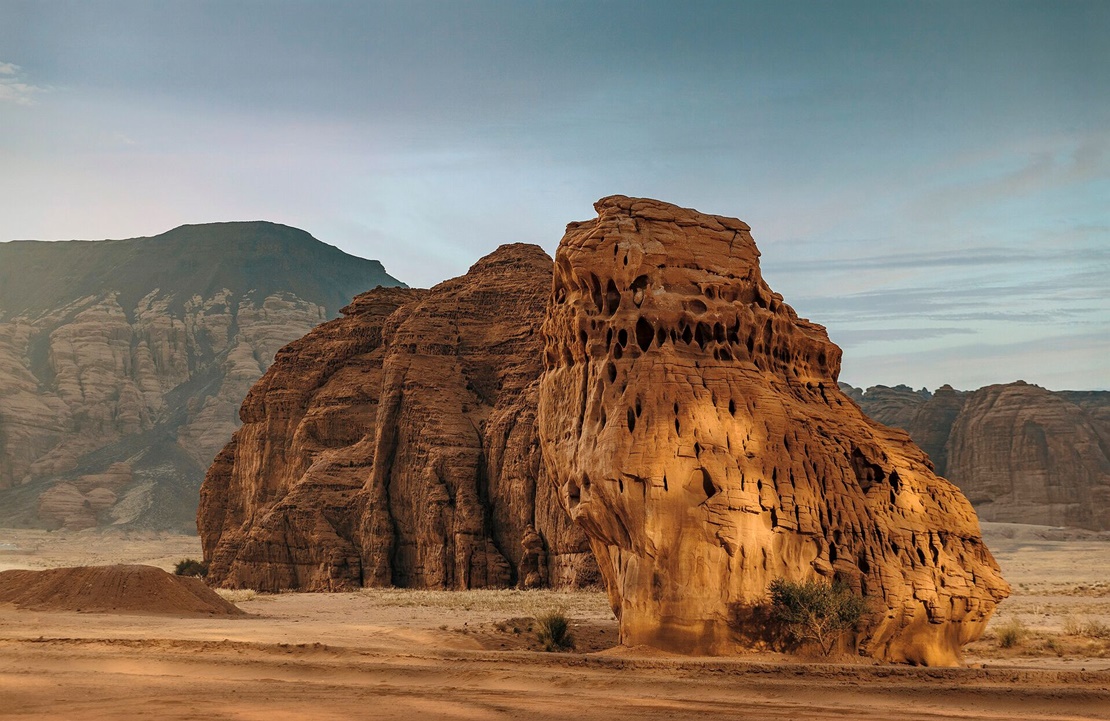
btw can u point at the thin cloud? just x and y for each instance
(979, 257)
(850, 338)
(1066, 164)
(12, 87)
(982, 363)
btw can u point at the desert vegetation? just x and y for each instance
(237, 595)
(816, 611)
(191, 567)
(553, 631)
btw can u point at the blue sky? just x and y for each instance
(929, 180)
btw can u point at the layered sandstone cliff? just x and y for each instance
(695, 429)
(1021, 453)
(123, 363)
(397, 446)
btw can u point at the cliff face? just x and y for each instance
(1021, 454)
(695, 429)
(122, 363)
(397, 446)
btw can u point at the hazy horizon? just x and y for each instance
(929, 181)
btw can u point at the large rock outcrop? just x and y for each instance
(1019, 452)
(123, 362)
(694, 426)
(398, 446)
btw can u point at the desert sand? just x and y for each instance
(397, 654)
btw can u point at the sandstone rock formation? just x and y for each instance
(697, 433)
(397, 446)
(1021, 454)
(123, 363)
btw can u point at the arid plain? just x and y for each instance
(471, 655)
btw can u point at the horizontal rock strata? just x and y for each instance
(123, 363)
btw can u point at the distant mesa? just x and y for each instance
(694, 426)
(123, 362)
(1020, 453)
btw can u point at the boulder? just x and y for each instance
(694, 427)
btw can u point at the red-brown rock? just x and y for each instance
(397, 446)
(696, 430)
(1027, 455)
(1021, 453)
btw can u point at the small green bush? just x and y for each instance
(191, 567)
(553, 631)
(816, 611)
(1011, 634)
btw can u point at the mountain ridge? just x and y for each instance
(241, 256)
(123, 362)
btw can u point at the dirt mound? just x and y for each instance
(112, 589)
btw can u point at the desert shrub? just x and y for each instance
(816, 611)
(1011, 634)
(191, 567)
(1096, 629)
(1072, 626)
(553, 631)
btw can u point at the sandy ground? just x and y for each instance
(393, 654)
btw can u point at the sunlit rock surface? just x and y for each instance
(695, 429)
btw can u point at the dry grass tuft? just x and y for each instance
(1012, 634)
(237, 595)
(553, 631)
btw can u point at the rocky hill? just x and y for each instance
(644, 410)
(1021, 453)
(397, 446)
(123, 362)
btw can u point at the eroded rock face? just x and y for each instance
(1024, 454)
(397, 446)
(1021, 453)
(694, 426)
(123, 363)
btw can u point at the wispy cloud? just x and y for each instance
(1059, 163)
(1052, 361)
(849, 338)
(13, 88)
(983, 257)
